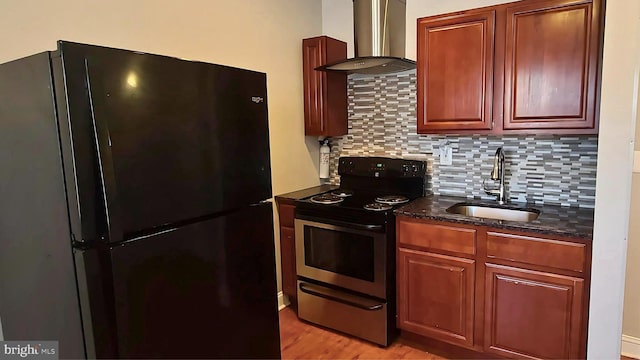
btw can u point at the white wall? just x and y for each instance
(631, 314)
(621, 64)
(337, 22)
(259, 35)
(617, 121)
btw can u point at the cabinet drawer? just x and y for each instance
(437, 237)
(537, 251)
(285, 213)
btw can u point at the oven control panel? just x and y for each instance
(381, 167)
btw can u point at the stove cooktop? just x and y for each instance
(370, 189)
(333, 200)
(360, 207)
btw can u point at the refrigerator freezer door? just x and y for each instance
(177, 140)
(204, 290)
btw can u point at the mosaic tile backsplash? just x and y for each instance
(559, 170)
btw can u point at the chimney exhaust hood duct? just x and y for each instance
(379, 34)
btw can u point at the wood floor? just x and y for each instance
(300, 340)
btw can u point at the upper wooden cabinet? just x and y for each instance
(550, 66)
(526, 67)
(455, 71)
(325, 93)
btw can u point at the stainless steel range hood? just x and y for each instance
(379, 34)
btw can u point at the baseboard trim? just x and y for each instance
(631, 346)
(283, 301)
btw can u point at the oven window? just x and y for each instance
(339, 252)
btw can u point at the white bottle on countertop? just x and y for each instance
(324, 159)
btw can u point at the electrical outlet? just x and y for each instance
(446, 155)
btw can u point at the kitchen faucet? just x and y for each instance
(497, 173)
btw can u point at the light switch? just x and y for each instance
(636, 162)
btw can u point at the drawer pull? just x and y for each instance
(338, 297)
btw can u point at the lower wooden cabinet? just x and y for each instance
(532, 314)
(509, 294)
(288, 261)
(286, 209)
(435, 294)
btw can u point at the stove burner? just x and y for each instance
(378, 207)
(392, 199)
(342, 193)
(326, 199)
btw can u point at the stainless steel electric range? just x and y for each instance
(345, 246)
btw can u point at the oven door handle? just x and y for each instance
(365, 227)
(345, 224)
(337, 296)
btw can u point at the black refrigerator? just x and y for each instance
(134, 212)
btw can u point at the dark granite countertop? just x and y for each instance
(301, 194)
(553, 220)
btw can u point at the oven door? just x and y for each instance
(351, 256)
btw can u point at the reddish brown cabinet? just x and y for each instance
(286, 210)
(325, 93)
(524, 67)
(435, 294)
(532, 314)
(435, 280)
(551, 65)
(288, 261)
(502, 293)
(455, 71)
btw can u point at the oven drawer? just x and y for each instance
(358, 316)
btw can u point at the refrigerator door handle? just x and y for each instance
(107, 175)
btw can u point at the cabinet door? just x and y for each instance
(325, 94)
(435, 296)
(551, 57)
(288, 261)
(534, 315)
(455, 72)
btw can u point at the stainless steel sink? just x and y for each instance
(494, 212)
